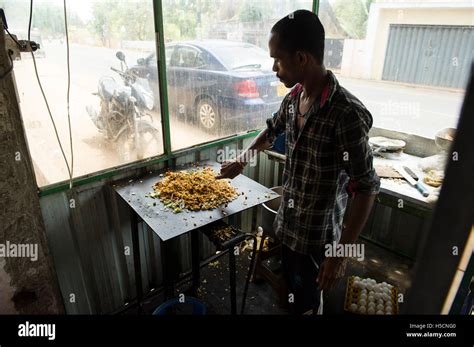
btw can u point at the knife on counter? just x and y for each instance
(420, 187)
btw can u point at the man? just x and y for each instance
(327, 158)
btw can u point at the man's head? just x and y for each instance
(296, 45)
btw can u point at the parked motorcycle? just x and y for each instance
(123, 117)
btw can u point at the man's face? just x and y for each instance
(284, 63)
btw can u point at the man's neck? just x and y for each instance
(314, 83)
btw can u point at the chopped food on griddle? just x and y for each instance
(193, 190)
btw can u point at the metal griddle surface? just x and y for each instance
(167, 224)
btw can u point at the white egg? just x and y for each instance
(388, 304)
(371, 305)
(380, 307)
(390, 286)
(379, 312)
(357, 278)
(363, 295)
(362, 309)
(369, 287)
(385, 297)
(362, 285)
(388, 312)
(380, 301)
(362, 302)
(371, 292)
(370, 298)
(356, 284)
(370, 310)
(377, 296)
(363, 291)
(384, 283)
(354, 307)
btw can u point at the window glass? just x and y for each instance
(221, 81)
(107, 130)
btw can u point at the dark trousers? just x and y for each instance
(300, 274)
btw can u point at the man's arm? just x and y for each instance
(233, 168)
(356, 155)
(357, 216)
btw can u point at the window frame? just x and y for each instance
(167, 155)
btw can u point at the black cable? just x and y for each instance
(13, 38)
(29, 21)
(6, 73)
(44, 95)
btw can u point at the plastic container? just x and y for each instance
(190, 306)
(269, 212)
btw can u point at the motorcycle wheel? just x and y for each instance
(148, 143)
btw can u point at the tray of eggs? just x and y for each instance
(366, 296)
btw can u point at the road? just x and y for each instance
(416, 110)
(409, 109)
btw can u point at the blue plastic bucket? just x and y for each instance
(190, 306)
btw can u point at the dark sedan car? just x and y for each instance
(223, 86)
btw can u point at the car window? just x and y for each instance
(168, 53)
(202, 61)
(243, 56)
(185, 57)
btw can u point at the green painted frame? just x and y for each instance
(168, 154)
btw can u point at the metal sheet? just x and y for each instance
(436, 55)
(167, 224)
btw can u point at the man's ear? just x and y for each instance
(302, 58)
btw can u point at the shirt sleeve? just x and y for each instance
(279, 121)
(352, 139)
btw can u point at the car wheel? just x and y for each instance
(208, 116)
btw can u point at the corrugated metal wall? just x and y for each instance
(88, 242)
(435, 55)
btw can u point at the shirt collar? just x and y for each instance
(328, 90)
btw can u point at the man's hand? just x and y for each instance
(331, 271)
(231, 169)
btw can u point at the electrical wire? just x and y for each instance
(44, 95)
(68, 92)
(6, 73)
(13, 38)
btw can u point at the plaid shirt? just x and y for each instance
(329, 159)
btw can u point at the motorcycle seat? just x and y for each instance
(108, 87)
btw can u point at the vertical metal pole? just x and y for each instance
(233, 294)
(162, 80)
(196, 260)
(316, 6)
(136, 258)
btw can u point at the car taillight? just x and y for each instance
(246, 89)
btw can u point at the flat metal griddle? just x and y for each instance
(167, 224)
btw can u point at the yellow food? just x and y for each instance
(433, 178)
(194, 190)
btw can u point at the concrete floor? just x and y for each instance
(378, 264)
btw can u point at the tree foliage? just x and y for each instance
(353, 16)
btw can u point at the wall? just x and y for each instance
(353, 58)
(27, 283)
